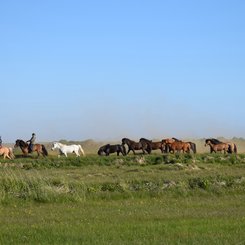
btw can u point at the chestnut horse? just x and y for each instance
(166, 143)
(153, 145)
(133, 146)
(6, 152)
(217, 147)
(193, 145)
(39, 148)
(172, 145)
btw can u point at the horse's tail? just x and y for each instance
(193, 147)
(11, 153)
(235, 148)
(44, 150)
(81, 149)
(230, 148)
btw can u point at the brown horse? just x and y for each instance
(40, 149)
(232, 146)
(193, 145)
(6, 152)
(166, 143)
(177, 146)
(153, 145)
(217, 147)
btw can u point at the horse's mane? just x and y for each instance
(21, 142)
(177, 139)
(144, 139)
(214, 141)
(127, 139)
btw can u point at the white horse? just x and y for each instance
(64, 149)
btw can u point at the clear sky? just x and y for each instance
(104, 70)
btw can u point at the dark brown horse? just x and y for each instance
(153, 145)
(39, 148)
(134, 146)
(217, 147)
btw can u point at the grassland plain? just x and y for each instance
(156, 199)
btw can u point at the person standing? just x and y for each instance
(1, 141)
(32, 141)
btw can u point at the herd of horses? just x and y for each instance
(170, 145)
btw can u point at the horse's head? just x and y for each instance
(124, 141)
(55, 146)
(101, 150)
(208, 142)
(17, 143)
(20, 143)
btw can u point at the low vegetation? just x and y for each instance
(142, 199)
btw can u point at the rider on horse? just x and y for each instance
(32, 141)
(1, 141)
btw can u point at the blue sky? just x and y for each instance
(111, 69)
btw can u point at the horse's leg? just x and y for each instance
(6, 155)
(225, 150)
(131, 149)
(77, 153)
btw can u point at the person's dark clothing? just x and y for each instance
(32, 141)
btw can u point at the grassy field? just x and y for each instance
(156, 199)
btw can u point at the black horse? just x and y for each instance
(107, 149)
(133, 146)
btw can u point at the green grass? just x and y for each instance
(168, 220)
(170, 199)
